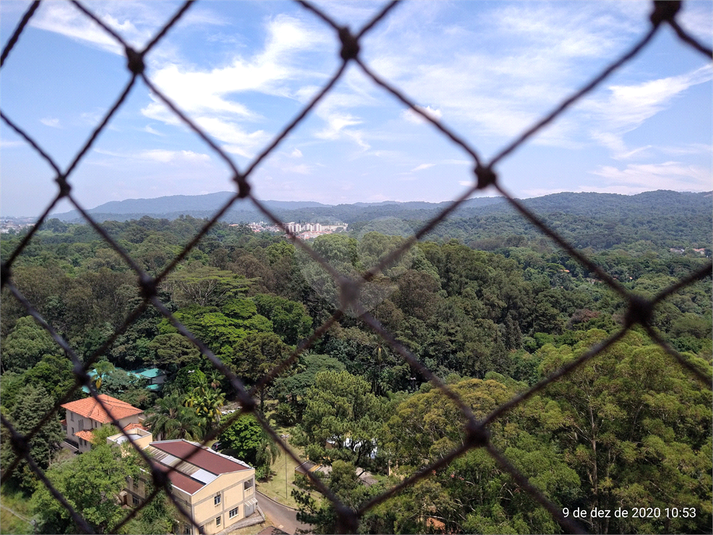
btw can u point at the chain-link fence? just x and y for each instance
(639, 312)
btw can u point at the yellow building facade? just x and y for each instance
(215, 489)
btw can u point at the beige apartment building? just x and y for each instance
(85, 415)
(216, 490)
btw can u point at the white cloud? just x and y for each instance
(695, 18)
(521, 60)
(422, 167)
(517, 65)
(237, 140)
(63, 18)
(336, 122)
(635, 178)
(297, 153)
(336, 110)
(691, 148)
(5, 144)
(209, 96)
(414, 118)
(626, 107)
(158, 155)
(171, 156)
(50, 121)
(150, 130)
(198, 91)
(135, 21)
(300, 169)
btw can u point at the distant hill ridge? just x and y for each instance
(583, 204)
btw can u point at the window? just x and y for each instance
(217, 521)
(73, 430)
(216, 499)
(71, 416)
(248, 484)
(233, 513)
(81, 424)
(135, 500)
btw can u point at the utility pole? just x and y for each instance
(285, 437)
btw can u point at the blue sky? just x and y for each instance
(242, 70)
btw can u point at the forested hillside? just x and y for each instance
(490, 313)
(599, 220)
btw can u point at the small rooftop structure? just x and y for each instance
(155, 377)
(307, 466)
(136, 432)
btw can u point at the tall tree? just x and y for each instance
(256, 355)
(248, 441)
(341, 411)
(30, 407)
(204, 285)
(26, 344)
(473, 494)
(639, 429)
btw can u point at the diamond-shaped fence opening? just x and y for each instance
(485, 175)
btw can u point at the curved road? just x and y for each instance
(282, 517)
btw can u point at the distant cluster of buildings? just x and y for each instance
(680, 250)
(306, 231)
(15, 224)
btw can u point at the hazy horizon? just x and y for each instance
(59, 211)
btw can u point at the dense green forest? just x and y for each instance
(490, 313)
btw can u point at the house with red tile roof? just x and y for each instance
(218, 491)
(85, 415)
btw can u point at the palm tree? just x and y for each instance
(102, 369)
(171, 419)
(268, 452)
(206, 404)
(215, 379)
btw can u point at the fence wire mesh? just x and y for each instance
(639, 312)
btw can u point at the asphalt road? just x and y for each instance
(282, 517)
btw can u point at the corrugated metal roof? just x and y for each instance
(203, 468)
(204, 476)
(203, 458)
(183, 482)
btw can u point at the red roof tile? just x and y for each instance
(90, 408)
(86, 435)
(202, 458)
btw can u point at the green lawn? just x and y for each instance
(252, 530)
(14, 501)
(275, 488)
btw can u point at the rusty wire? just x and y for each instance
(476, 431)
